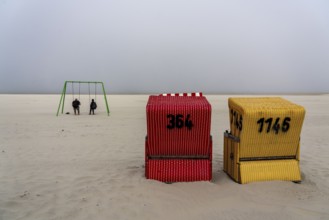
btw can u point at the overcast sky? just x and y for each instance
(157, 46)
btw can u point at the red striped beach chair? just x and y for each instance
(178, 145)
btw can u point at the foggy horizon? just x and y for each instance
(151, 47)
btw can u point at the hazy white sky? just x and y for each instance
(149, 46)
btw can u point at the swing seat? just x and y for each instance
(178, 146)
(263, 143)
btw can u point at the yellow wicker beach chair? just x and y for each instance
(263, 143)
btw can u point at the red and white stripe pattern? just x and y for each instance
(197, 94)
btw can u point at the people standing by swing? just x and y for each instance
(76, 106)
(76, 101)
(93, 106)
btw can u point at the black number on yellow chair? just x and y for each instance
(286, 125)
(176, 121)
(276, 126)
(236, 119)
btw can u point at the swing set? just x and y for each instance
(62, 100)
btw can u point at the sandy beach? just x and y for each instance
(92, 166)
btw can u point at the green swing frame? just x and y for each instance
(62, 100)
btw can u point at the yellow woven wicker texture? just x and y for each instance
(252, 171)
(225, 154)
(254, 143)
(231, 148)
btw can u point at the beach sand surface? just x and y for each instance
(92, 166)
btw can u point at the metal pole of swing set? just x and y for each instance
(60, 102)
(64, 98)
(107, 106)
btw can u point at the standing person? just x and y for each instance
(76, 106)
(93, 106)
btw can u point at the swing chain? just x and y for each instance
(72, 90)
(89, 90)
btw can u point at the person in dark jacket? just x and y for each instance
(76, 106)
(93, 106)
